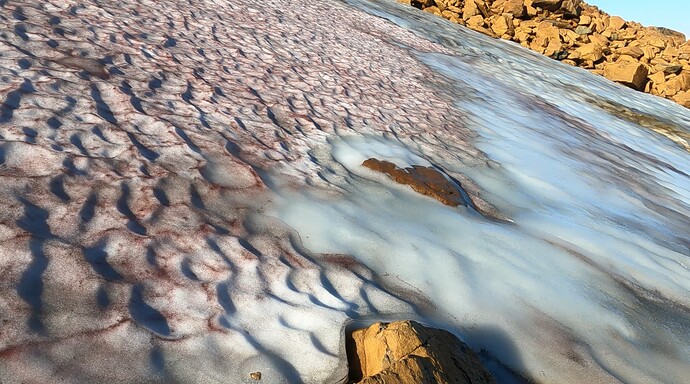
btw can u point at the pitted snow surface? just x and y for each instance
(183, 198)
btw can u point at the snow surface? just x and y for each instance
(183, 197)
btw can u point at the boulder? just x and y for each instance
(452, 16)
(591, 51)
(626, 58)
(599, 39)
(677, 37)
(548, 30)
(571, 8)
(503, 25)
(583, 30)
(473, 8)
(515, 8)
(433, 9)
(633, 75)
(616, 23)
(657, 78)
(585, 20)
(635, 52)
(470, 9)
(667, 68)
(675, 85)
(408, 352)
(683, 98)
(476, 21)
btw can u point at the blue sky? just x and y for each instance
(674, 14)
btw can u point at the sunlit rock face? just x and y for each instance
(183, 197)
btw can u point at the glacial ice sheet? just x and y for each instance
(151, 155)
(590, 276)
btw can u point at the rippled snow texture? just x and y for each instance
(182, 196)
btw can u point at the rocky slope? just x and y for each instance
(650, 59)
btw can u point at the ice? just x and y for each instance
(579, 277)
(183, 198)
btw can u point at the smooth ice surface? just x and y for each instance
(182, 195)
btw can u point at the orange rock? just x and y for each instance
(675, 85)
(657, 78)
(424, 180)
(503, 25)
(515, 8)
(408, 352)
(683, 98)
(635, 52)
(549, 5)
(592, 51)
(616, 23)
(633, 75)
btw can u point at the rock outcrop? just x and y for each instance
(408, 352)
(650, 59)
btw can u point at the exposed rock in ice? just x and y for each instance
(201, 212)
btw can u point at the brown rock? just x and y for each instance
(522, 36)
(675, 85)
(585, 20)
(476, 23)
(666, 68)
(650, 52)
(424, 180)
(635, 52)
(470, 9)
(657, 78)
(408, 352)
(683, 98)
(677, 37)
(473, 8)
(503, 25)
(591, 51)
(684, 51)
(633, 75)
(597, 25)
(554, 50)
(452, 16)
(616, 23)
(548, 30)
(571, 8)
(549, 5)
(515, 8)
(433, 9)
(583, 30)
(599, 39)
(529, 9)
(626, 58)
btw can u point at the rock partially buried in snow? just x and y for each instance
(424, 180)
(408, 352)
